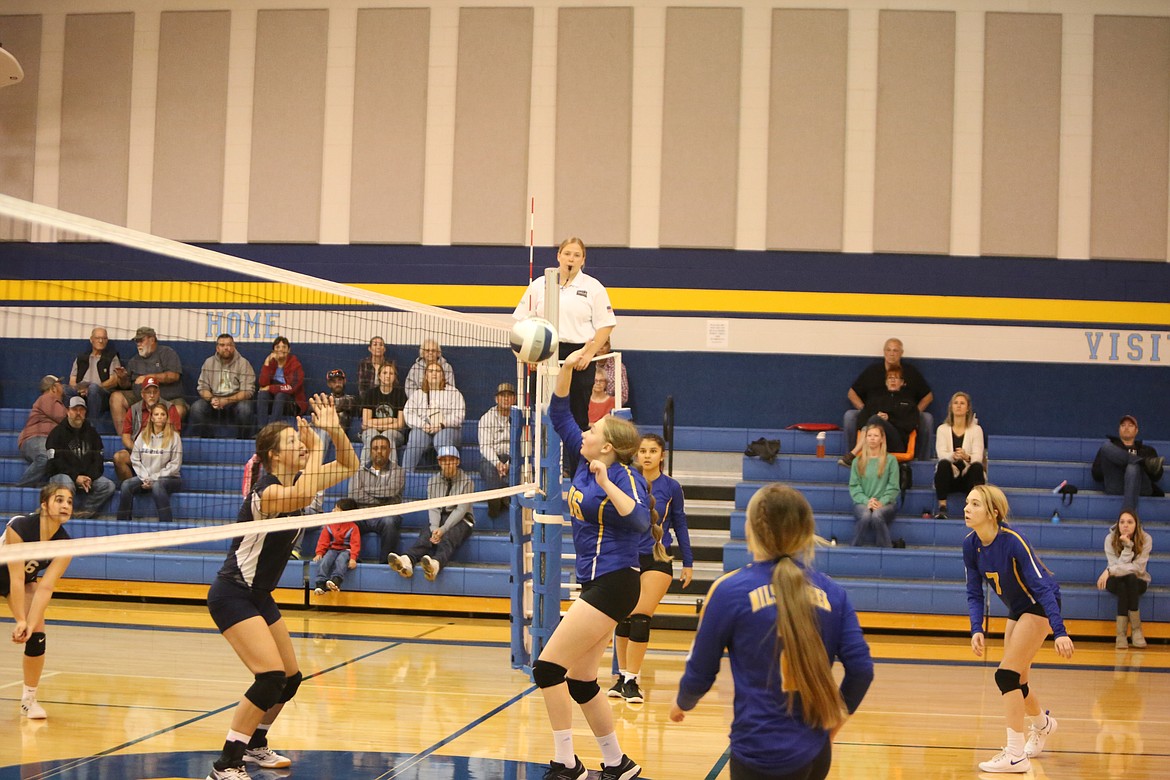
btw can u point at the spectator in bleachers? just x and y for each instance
(601, 402)
(873, 486)
(448, 526)
(347, 405)
(77, 461)
(156, 459)
(136, 418)
(429, 354)
(609, 368)
(435, 416)
(893, 410)
(1127, 467)
(960, 446)
(46, 414)
(226, 386)
(379, 483)
(872, 381)
(382, 411)
(282, 384)
(338, 549)
(495, 445)
(1127, 552)
(368, 367)
(152, 361)
(94, 374)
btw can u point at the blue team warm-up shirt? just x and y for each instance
(603, 540)
(740, 615)
(1016, 575)
(257, 561)
(668, 502)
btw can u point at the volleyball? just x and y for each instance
(534, 340)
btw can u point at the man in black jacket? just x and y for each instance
(1127, 467)
(77, 461)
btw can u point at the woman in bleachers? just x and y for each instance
(996, 555)
(282, 384)
(368, 367)
(873, 486)
(960, 446)
(28, 597)
(382, 412)
(1127, 551)
(435, 416)
(156, 459)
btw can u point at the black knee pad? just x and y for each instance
(1024, 689)
(265, 691)
(1007, 680)
(640, 628)
(290, 687)
(583, 690)
(35, 646)
(623, 628)
(547, 674)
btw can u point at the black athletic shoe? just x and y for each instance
(616, 691)
(626, 770)
(941, 514)
(631, 692)
(561, 772)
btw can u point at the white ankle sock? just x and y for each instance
(29, 693)
(563, 748)
(627, 676)
(1015, 743)
(611, 751)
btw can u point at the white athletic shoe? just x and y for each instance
(1036, 737)
(231, 773)
(430, 567)
(400, 564)
(265, 757)
(1005, 762)
(31, 709)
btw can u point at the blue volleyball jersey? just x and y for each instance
(668, 502)
(257, 561)
(1016, 574)
(603, 540)
(740, 616)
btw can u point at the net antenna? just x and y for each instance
(10, 70)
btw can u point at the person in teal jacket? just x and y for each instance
(873, 485)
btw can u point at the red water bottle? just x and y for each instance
(821, 444)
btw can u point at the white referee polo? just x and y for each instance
(585, 307)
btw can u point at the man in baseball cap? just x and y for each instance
(495, 445)
(449, 526)
(1127, 467)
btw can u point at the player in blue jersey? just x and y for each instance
(996, 554)
(609, 507)
(784, 625)
(633, 633)
(27, 591)
(240, 600)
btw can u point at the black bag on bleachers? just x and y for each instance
(764, 449)
(905, 481)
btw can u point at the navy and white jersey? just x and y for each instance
(1016, 574)
(28, 528)
(604, 540)
(668, 502)
(740, 616)
(257, 561)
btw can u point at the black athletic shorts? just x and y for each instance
(230, 603)
(817, 769)
(1035, 609)
(648, 563)
(615, 594)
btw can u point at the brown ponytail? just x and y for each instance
(660, 553)
(781, 528)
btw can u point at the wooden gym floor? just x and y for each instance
(145, 691)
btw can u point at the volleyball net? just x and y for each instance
(169, 311)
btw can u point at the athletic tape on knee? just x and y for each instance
(640, 628)
(1007, 680)
(265, 691)
(547, 674)
(623, 628)
(35, 646)
(583, 690)
(290, 687)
